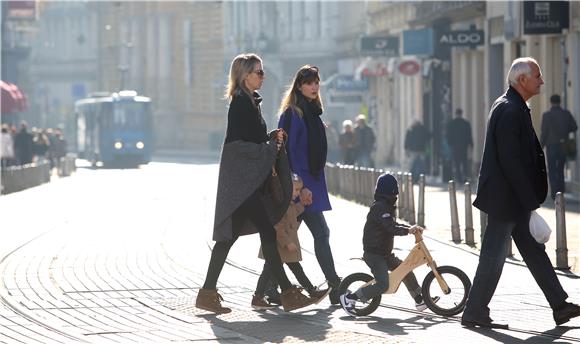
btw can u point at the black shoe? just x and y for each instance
(333, 295)
(483, 324)
(566, 312)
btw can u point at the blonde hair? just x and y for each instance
(241, 66)
(305, 75)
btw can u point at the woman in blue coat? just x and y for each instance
(301, 109)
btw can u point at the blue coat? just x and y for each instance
(512, 178)
(297, 148)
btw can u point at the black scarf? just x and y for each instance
(317, 147)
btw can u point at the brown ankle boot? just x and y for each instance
(293, 298)
(210, 300)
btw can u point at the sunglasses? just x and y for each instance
(260, 73)
(307, 72)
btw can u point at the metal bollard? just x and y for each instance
(455, 234)
(401, 198)
(411, 199)
(405, 189)
(561, 244)
(421, 210)
(469, 239)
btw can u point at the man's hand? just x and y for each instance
(306, 196)
(414, 229)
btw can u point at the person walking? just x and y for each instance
(557, 124)
(247, 157)
(364, 142)
(6, 147)
(23, 145)
(416, 141)
(301, 109)
(346, 141)
(290, 252)
(512, 183)
(459, 140)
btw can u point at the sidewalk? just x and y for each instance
(132, 276)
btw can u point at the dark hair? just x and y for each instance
(305, 75)
(555, 99)
(458, 112)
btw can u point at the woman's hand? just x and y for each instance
(280, 137)
(306, 196)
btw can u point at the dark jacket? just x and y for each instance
(246, 161)
(381, 227)
(416, 138)
(364, 139)
(556, 125)
(512, 178)
(459, 133)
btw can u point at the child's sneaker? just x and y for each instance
(260, 303)
(348, 303)
(318, 294)
(421, 306)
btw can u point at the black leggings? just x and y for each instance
(296, 267)
(253, 210)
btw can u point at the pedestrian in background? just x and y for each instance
(460, 141)
(557, 125)
(41, 146)
(416, 141)
(332, 139)
(512, 183)
(248, 155)
(290, 252)
(301, 109)
(346, 141)
(23, 145)
(364, 142)
(6, 147)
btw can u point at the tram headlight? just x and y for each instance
(118, 145)
(140, 145)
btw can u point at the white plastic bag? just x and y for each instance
(539, 228)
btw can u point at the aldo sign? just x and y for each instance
(469, 38)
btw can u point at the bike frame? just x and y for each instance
(418, 256)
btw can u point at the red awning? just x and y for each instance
(13, 100)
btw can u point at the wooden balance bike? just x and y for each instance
(452, 285)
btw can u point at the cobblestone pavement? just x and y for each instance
(117, 256)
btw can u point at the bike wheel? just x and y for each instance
(352, 283)
(446, 304)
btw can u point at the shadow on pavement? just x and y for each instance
(549, 336)
(279, 325)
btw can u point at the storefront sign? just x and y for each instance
(383, 46)
(544, 17)
(348, 83)
(409, 67)
(418, 42)
(462, 38)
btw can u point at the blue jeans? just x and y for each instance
(320, 232)
(492, 258)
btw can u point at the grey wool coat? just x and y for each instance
(244, 168)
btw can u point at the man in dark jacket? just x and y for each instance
(379, 232)
(557, 124)
(459, 140)
(512, 183)
(365, 142)
(23, 145)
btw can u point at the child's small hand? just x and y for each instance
(414, 229)
(292, 247)
(306, 196)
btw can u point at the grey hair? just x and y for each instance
(520, 66)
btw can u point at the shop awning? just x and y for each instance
(13, 100)
(372, 67)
